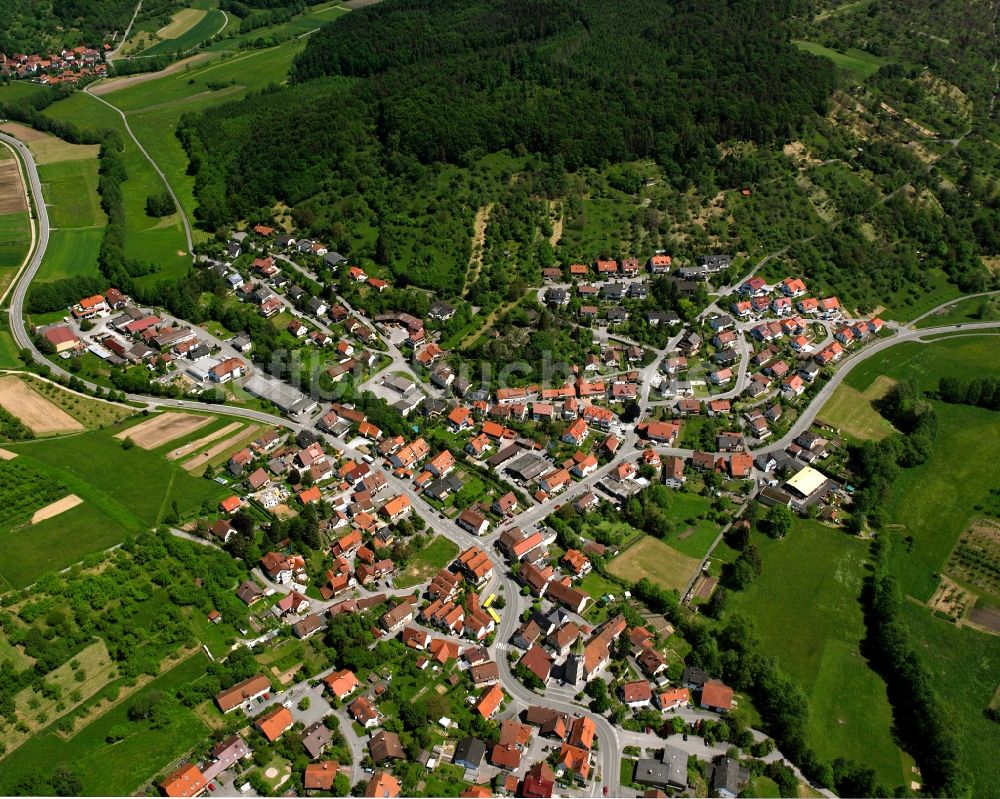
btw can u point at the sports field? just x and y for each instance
(657, 561)
(853, 414)
(805, 607)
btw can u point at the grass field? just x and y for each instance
(858, 63)
(15, 236)
(71, 187)
(122, 768)
(853, 414)
(438, 553)
(160, 241)
(698, 534)
(965, 668)
(124, 491)
(806, 610)
(657, 561)
(935, 502)
(71, 253)
(953, 356)
(972, 309)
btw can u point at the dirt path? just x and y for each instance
(194, 446)
(557, 226)
(55, 508)
(478, 240)
(199, 461)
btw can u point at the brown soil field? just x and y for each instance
(12, 198)
(199, 460)
(194, 446)
(36, 412)
(7, 455)
(55, 508)
(986, 617)
(160, 429)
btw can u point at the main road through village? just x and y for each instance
(611, 739)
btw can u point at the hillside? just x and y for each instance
(387, 92)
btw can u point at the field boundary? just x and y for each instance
(32, 224)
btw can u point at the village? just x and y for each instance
(502, 619)
(68, 66)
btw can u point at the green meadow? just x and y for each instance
(805, 607)
(71, 253)
(71, 187)
(15, 236)
(204, 29)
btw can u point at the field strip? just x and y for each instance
(160, 429)
(55, 508)
(201, 459)
(181, 23)
(107, 86)
(31, 224)
(7, 455)
(34, 411)
(194, 446)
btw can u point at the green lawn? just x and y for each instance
(965, 668)
(853, 414)
(122, 768)
(806, 610)
(858, 63)
(437, 554)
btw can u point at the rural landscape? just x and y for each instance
(497, 398)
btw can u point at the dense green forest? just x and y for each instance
(386, 95)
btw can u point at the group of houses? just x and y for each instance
(68, 66)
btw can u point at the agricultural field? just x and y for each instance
(123, 491)
(15, 230)
(805, 607)
(853, 413)
(975, 560)
(91, 413)
(435, 555)
(35, 412)
(657, 561)
(162, 428)
(187, 29)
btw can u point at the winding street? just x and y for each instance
(611, 740)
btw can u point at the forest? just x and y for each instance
(386, 99)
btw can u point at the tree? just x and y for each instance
(779, 521)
